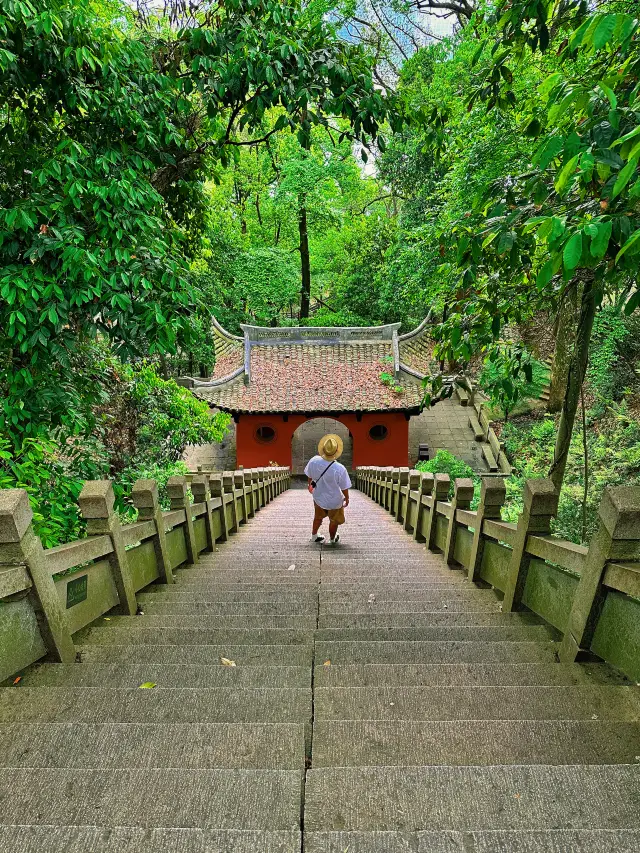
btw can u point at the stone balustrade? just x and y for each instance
(590, 595)
(46, 595)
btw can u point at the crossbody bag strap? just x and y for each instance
(325, 471)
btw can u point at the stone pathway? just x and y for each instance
(379, 703)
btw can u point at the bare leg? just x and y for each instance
(317, 523)
(333, 529)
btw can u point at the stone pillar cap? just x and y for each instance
(144, 494)
(15, 514)
(97, 499)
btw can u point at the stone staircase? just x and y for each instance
(359, 699)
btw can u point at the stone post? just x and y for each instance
(462, 497)
(19, 545)
(217, 491)
(540, 506)
(241, 486)
(145, 499)
(425, 489)
(617, 538)
(492, 496)
(414, 486)
(248, 485)
(201, 494)
(403, 483)
(441, 486)
(261, 488)
(230, 498)
(96, 505)
(255, 489)
(393, 487)
(178, 498)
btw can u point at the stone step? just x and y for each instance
(102, 839)
(424, 618)
(254, 621)
(244, 655)
(435, 652)
(460, 674)
(165, 675)
(543, 841)
(371, 743)
(238, 595)
(151, 606)
(400, 592)
(410, 799)
(193, 636)
(581, 702)
(277, 746)
(264, 800)
(290, 580)
(408, 604)
(127, 705)
(480, 634)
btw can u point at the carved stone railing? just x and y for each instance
(43, 602)
(591, 595)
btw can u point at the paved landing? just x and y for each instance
(363, 698)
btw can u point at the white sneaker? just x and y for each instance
(317, 539)
(335, 541)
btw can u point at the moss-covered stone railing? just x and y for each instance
(591, 595)
(43, 601)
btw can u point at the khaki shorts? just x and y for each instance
(336, 516)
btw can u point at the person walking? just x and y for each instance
(329, 484)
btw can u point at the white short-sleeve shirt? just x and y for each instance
(328, 493)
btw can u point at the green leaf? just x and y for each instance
(622, 139)
(604, 31)
(600, 241)
(624, 177)
(533, 128)
(633, 240)
(148, 685)
(572, 251)
(566, 173)
(545, 275)
(632, 303)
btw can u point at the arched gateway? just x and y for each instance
(275, 381)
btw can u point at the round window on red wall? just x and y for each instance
(378, 432)
(265, 434)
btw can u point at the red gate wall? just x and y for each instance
(392, 450)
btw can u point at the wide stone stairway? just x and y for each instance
(282, 697)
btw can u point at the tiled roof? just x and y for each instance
(416, 350)
(336, 377)
(229, 352)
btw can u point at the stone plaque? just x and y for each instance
(77, 590)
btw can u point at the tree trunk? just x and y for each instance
(575, 378)
(163, 366)
(305, 263)
(565, 338)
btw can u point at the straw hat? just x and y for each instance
(330, 447)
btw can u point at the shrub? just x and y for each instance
(446, 463)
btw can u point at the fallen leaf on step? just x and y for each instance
(291, 567)
(371, 598)
(17, 680)
(327, 663)
(227, 662)
(148, 685)
(594, 716)
(517, 796)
